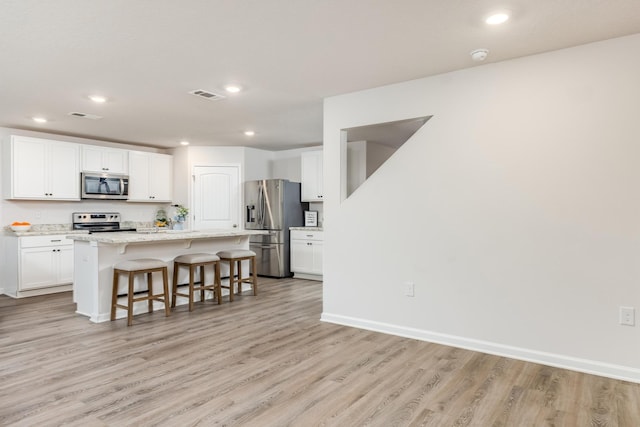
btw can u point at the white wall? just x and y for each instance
(286, 164)
(363, 159)
(377, 154)
(515, 210)
(356, 165)
(257, 164)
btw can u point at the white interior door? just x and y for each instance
(216, 197)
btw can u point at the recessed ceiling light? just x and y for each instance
(497, 18)
(184, 142)
(39, 119)
(233, 88)
(249, 133)
(98, 98)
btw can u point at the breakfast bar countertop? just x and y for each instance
(160, 235)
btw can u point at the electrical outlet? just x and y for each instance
(409, 289)
(627, 316)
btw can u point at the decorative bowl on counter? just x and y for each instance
(21, 227)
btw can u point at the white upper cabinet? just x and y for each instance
(105, 160)
(150, 177)
(43, 169)
(312, 176)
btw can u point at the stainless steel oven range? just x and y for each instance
(96, 222)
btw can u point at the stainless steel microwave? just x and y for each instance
(104, 186)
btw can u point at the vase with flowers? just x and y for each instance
(180, 217)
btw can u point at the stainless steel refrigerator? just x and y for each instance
(273, 205)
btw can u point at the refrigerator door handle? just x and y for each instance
(261, 204)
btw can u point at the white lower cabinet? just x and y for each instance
(44, 265)
(306, 254)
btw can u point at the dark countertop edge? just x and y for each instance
(44, 233)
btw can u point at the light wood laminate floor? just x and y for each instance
(269, 361)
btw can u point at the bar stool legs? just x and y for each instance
(131, 268)
(194, 261)
(235, 257)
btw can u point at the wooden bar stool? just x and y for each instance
(146, 266)
(235, 257)
(193, 261)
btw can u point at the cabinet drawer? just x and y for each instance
(50, 240)
(306, 235)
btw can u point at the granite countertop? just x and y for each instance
(306, 228)
(161, 235)
(44, 230)
(66, 229)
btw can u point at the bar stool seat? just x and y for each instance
(235, 257)
(194, 261)
(131, 268)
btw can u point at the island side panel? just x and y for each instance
(85, 278)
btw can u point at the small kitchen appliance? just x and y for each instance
(95, 222)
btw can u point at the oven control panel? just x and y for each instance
(95, 217)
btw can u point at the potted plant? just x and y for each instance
(180, 217)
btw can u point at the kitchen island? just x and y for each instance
(96, 254)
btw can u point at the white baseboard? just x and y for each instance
(618, 372)
(307, 276)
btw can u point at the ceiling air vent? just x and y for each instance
(207, 95)
(85, 115)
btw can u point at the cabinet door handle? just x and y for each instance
(57, 240)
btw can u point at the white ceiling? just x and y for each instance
(146, 55)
